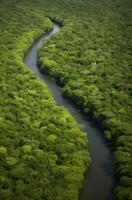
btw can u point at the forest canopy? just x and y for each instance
(90, 58)
(40, 142)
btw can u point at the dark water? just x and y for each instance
(99, 179)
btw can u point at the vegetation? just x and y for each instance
(43, 151)
(90, 58)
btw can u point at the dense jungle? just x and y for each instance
(44, 152)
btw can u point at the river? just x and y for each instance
(99, 179)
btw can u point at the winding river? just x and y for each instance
(99, 180)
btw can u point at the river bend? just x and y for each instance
(99, 179)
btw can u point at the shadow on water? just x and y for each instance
(99, 179)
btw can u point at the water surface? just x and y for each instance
(99, 180)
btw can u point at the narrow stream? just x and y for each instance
(99, 179)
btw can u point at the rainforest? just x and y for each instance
(78, 51)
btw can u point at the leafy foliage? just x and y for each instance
(92, 63)
(39, 145)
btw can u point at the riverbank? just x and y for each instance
(98, 176)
